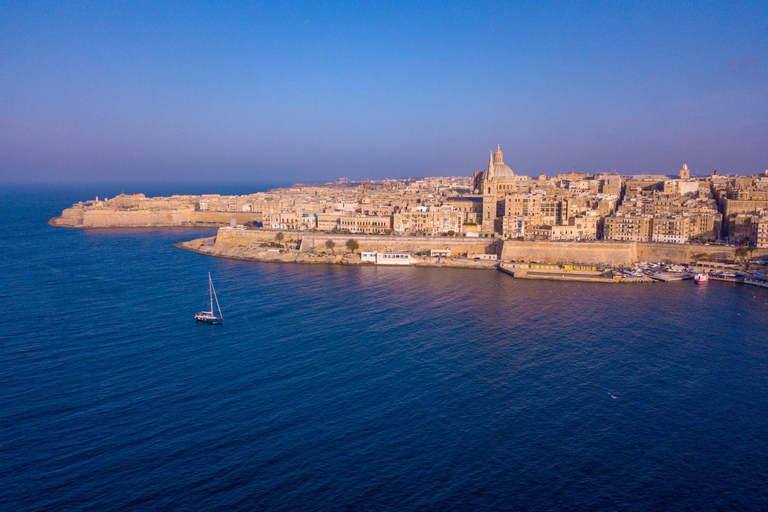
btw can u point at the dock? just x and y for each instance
(557, 272)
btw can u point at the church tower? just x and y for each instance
(495, 182)
(685, 173)
(490, 201)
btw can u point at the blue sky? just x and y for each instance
(310, 91)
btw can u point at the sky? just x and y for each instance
(312, 91)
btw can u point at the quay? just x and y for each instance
(559, 272)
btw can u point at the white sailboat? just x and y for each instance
(208, 316)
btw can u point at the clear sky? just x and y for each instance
(309, 91)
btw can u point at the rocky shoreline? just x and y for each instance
(208, 247)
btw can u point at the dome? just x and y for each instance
(500, 172)
(496, 168)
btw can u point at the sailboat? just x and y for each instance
(207, 316)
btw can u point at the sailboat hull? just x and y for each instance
(207, 318)
(211, 321)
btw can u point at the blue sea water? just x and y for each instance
(362, 388)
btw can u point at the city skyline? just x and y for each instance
(301, 93)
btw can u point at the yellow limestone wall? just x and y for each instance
(604, 253)
(106, 218)
(314, 242)
(614, 253)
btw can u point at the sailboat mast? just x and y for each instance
(217, 302)
(210, 290)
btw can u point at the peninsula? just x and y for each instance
(494, 214)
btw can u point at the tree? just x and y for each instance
(331, 245)
(745, 253)
(451, 232)
(741, 252)
(279, 236)
(352, 245)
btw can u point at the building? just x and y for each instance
(496, 181)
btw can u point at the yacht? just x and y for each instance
(209, 317)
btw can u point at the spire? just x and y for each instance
(490, 165)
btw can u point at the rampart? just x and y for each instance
(616, 253)
(317, 242)
(603, 253)
(78, 217)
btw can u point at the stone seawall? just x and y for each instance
(687, 253)
(253, 252)
(602, 253)
(615, 253)
(304, 247)
(410, 244)
(316, 242)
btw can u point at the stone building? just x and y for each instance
(495, 182)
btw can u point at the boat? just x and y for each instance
(701, 278)
(209, 317)
(757, 279)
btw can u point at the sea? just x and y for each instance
(360, 388)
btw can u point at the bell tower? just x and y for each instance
(490, 205)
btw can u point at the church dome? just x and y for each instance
(496, 168)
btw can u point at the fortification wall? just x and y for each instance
(226, 217)
(602, 253)
(109, 218)
(227, 237)
(688, 253)
(615, 253)
(316, 242)
(103, 218)
(71, 217)
(411, 244)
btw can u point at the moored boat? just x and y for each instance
(757, 279)
(701, 278)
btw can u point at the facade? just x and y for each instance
(386, 258)
(636, 228)
(496, 181)
(759, 232)
(367, 224)
(429, 220)
(670, 229)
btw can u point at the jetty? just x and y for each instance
(559, 272)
